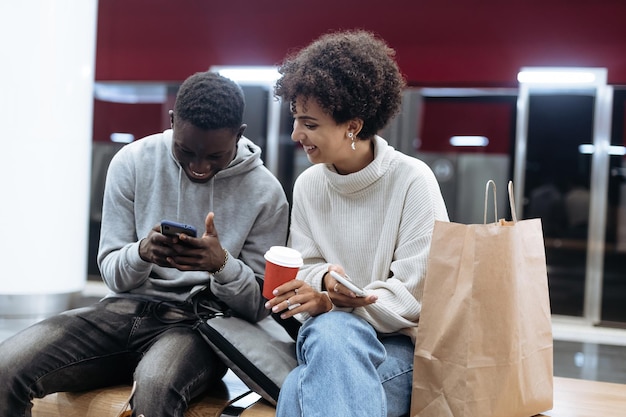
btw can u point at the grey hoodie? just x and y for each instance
(145, 184)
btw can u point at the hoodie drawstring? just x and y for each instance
(180, 185)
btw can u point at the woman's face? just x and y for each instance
(323, 140)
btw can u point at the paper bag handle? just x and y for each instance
(512, 202)
(495, 205)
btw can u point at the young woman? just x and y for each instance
(364, 211)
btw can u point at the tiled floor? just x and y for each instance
(580, 351)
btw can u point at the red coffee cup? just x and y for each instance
(281, 265)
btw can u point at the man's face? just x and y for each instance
(203, 153)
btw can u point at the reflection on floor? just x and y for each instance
(590, 361)
(586, 352)
(580, 351)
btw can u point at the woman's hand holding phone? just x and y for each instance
(359, 292)
(344, 293)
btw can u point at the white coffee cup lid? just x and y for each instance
(284, 256)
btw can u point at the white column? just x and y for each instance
(47, 65)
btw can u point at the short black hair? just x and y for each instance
(210, 101)
(351, 74)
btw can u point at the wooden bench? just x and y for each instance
(583, 398)
(572, 398)
(231, 398)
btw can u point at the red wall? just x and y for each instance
(438, 42)
(139, 119)
(443, 119)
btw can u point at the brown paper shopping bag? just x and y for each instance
(484, 342)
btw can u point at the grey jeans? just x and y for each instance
(113, 341)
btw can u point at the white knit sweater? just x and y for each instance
(377, 223)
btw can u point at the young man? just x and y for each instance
(204, 173)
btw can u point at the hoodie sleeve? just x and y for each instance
(240, 284)
(121, 266)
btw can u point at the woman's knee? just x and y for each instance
(353, 335)
(336, 323)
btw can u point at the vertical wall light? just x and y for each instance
(544, 80)
(47, 74)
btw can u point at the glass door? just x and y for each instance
(561, 159)
(557, 189)
(614, 272)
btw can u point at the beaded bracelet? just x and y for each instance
(224, 264)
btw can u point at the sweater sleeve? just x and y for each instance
(389, 227)
(301, 238)
(400, 293)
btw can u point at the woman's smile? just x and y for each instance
(309, 149)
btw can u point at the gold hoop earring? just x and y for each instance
(353, 144)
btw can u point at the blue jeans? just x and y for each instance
(345, 369)
(112, 342)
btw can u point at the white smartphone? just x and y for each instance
(348, 284)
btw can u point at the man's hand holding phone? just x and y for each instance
(172, 244)
(171, 228)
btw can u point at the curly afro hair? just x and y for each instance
(210, 101)
(351, 74)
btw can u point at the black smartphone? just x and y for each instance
(171, 228)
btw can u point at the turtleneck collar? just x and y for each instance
(357, 181)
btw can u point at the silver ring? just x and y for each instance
(335, 289)
(288, 303)
(296, 291)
